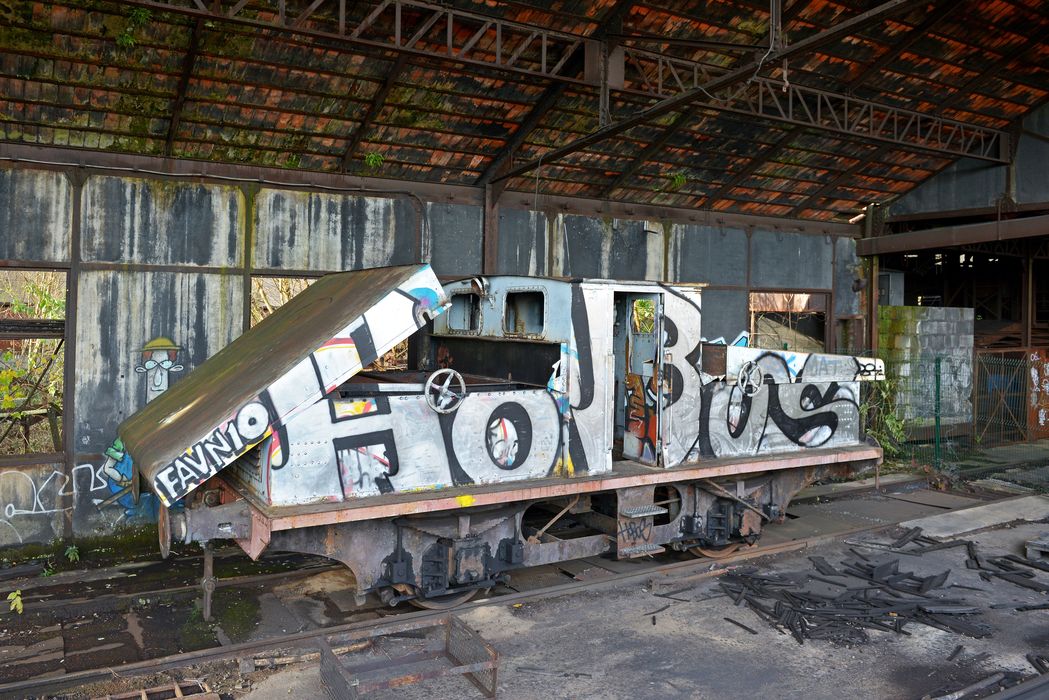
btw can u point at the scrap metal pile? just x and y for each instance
(841, 603)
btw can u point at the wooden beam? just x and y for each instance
(188, 64)
(650, 152)
(374, 109)
(943, 8)
(781, 144)
(574, 65)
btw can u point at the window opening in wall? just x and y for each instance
(524, 313)
(465, 314)
(32, 360)
(643, 316)
(788, 321)
(270, 293)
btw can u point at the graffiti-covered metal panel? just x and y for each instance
(601, 401)
(522, 378)
(255, 385)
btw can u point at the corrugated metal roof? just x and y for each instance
(83, 73)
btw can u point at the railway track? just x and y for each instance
(654, 573)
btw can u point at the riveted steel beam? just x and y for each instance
(415, 28)
(711, 89)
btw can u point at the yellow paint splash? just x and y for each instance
(565, 467)
(466, 500)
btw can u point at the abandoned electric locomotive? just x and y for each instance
(545, 420)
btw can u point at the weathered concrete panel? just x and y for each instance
(35, 215)
(846, 271)
(913, 337)
(790, 260)
(711, 254)
(454, 238)
(333, 232)
(189, 316)
(31, 504)
(159, 222)
(1032, 154)
(523, 243)
(725, 313)
(609, 248)
(965, 184)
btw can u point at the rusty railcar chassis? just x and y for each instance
(545, 420)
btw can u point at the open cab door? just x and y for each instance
(640, 388)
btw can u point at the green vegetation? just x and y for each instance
(136, 19)
(880, 415)
(15, 601)
(643, 318)
(235, 611)
(73, 553)
(31, 370)
(373, 160)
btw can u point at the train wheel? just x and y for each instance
(716, 552)
(444, 602)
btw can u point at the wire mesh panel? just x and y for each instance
(1002, 392)
(939, 410)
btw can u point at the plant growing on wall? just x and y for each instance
(14, 599)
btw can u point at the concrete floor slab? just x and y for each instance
(629, 643)
(846, 487)
(1029, 508)
(939, 499)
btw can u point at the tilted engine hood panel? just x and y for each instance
(294, 357)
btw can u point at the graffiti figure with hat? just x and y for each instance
(159, 358)
(158, 361)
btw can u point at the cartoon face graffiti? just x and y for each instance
(158, 360)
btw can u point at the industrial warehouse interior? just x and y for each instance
(524, 349)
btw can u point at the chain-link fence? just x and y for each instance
(954, 410)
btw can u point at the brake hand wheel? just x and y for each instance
(750, 378)
(440, 395)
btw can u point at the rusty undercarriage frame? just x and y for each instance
(412, 546)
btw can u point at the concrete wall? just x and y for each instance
(977, 184)
(910, 338)
(165, 266)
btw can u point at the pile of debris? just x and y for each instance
(839, 604)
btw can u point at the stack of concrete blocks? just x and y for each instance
(910, 338)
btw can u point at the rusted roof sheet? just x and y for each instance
(83, 73)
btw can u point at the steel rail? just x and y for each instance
(103, 599)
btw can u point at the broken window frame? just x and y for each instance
(19, 330)
(795, 305)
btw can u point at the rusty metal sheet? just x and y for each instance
(301, 352)
(625, 475)
(1038, 397)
